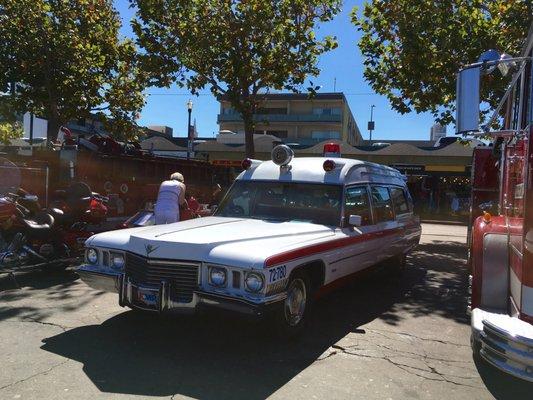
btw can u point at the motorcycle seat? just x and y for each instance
(41, 224)
(57, 214)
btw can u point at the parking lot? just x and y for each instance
(378, 338)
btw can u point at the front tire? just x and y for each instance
(292, 315)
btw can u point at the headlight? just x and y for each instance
(117, 260)
(217, 276)
(92, 256)
(254, 282)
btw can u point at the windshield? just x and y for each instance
(283, 201)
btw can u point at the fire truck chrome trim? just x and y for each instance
(501, 345)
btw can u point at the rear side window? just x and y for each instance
(399, 200)
(382, 204)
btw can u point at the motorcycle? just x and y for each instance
(51, 239)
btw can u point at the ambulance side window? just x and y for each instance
(382, 204)
(357, 203)
(399, 200)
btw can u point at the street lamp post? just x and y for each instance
(371, 124)
(189, 138)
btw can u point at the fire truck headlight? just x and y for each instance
(217, 276)
(254, 282)
(92, 256)
(117, 261)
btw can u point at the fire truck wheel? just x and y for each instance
(290, 319)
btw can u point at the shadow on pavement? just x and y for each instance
(219, 355)
(441, 287)
(59, 287)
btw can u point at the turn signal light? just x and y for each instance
(487, 217)
(329, 165)
(246, 163)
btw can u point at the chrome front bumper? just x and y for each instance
(162, 300)
(99, 278)
(505, 342)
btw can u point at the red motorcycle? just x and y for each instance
(54, 238)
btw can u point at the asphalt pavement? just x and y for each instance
(381, 337)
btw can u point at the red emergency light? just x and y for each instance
(246, 163)
(332, 150)
(329, 165)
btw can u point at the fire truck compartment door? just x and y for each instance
(495, 274)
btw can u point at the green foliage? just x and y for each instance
(413, 49)
(10, 130)
(236, 48)
(67, 60)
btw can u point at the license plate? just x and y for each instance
(148, 298)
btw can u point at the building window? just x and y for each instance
(327, 111)
(229, 111)
(271, 110)
(324, 135)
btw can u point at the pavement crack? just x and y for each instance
(380, 332)
(36, 321)
(35, 375)
(413, 370)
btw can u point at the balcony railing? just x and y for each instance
(282, 118)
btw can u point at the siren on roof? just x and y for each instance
(282, 155)
(332, 150)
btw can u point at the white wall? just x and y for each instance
(39, 126)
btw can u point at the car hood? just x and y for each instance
(230, 241)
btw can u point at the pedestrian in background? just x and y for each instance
(171, 195)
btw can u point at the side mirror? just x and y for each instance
(467, 107)
(355, 220)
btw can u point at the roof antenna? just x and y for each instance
(335, 85)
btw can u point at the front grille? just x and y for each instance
(182, 278)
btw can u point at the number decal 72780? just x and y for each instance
(277, 273)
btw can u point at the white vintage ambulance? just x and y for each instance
(286, 229)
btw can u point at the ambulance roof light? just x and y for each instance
(246, 163)
(282, 155)
(332, 150)
(329, 165)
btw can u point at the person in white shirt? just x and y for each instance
(171, 195)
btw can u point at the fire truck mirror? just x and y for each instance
(467, 112)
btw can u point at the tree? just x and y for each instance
(66, 60)
(413, 49)
(10, 130)
(237, 48)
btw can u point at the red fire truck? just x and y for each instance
(501, 237)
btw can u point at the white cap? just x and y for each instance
(176, 176)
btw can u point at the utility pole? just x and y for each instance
(189, 138)
(31, 129)
(371, 124)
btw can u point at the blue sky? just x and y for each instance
(168, 106)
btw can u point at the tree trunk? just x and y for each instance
(249, 129)
(52, 129)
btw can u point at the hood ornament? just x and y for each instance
(150, 249)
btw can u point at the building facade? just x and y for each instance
(437, 131)
(297, 118)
